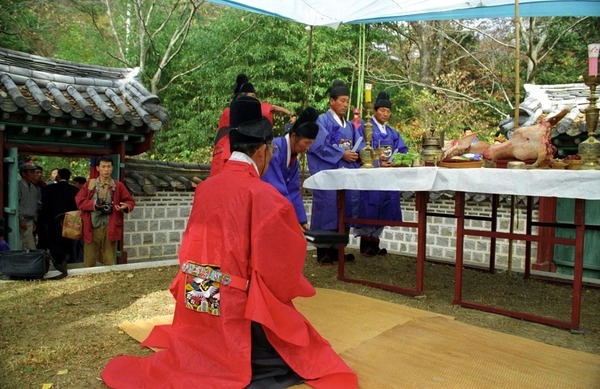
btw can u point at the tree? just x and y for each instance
(24, 25)
(542, 35)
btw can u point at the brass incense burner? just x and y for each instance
(432, 152)
(589, 150)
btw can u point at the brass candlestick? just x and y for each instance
(367, 154)
(589, 150)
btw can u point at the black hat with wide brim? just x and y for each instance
(306, 126)
(247, 123)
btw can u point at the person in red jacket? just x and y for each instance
(102, 202)
(240, 266)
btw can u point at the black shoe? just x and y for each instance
(370, 252)
(325, 261)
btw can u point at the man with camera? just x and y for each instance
(102, 202)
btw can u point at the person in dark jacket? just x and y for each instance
(57, 199)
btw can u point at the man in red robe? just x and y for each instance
(221, 149)
(241, 265)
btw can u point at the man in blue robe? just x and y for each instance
(283, 172)
(336, 146)
(380, 205)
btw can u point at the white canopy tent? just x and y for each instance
(335, 12)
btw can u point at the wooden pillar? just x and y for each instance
(545, 252)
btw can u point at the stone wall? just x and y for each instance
(155, 228)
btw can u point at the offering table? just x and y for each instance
(577, 184)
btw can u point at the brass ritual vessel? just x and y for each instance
(368, 154)
(589, 150)
(432, 152)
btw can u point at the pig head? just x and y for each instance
(527, 143)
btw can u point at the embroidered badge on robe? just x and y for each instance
(202, 289)
(346, 144)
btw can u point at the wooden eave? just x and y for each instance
(50, 106)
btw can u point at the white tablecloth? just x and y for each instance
(583, 184)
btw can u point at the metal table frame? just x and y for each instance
(445, 180)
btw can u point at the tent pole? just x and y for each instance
(517, 64)
(309, 64)
(516, 125)
(361, 66)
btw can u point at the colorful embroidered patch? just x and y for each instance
(346, 144)
(202, 288)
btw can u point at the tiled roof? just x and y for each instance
(548, 100)
(144, 177)
(45, 101)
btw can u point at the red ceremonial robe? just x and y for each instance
(245, 227)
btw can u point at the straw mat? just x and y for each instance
(393, 346)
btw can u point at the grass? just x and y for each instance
(63, 332)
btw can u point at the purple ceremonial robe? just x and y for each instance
(383, 205)
(286, 178)
(326, 153)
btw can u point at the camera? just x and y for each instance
(103, 207)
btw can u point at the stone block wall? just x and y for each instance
(153, 231)
(155, 228)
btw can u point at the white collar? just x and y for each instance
(337, 118)
(289, 149)
(241, 157)
(381, 126)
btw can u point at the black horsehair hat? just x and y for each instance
(338, 88)
(247, 123)
(242, 85)
(383, 100)
(306, 126)
(239, 81)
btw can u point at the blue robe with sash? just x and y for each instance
(381, 205)
(286, 178)
(326, 153)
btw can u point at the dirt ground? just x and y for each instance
(63, 332)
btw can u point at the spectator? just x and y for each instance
(380, 205)
(79, 181)
(3, 245)
(53, 175)
(102, 202)
(334, 147)
(356, 120)
(56, 200)
(283, 171)
(77, 254)
(41, 229)
(474, 156)
(30, 198)
(3, 229)
(241, 262)
(289, 124)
